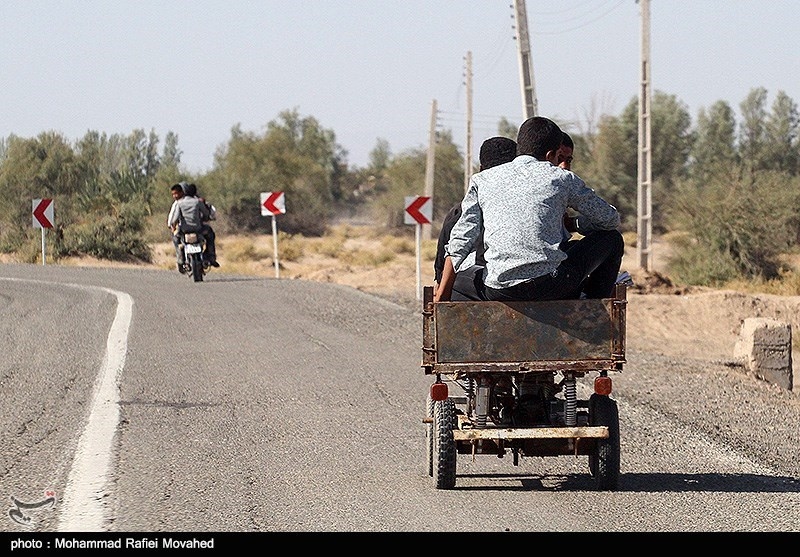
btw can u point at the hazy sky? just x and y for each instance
(369, 69)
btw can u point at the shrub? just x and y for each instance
(290, 248)
(366, 258)
(399, 244)
(117, 237)
(330, 246)
(240, 250)
(737, 224)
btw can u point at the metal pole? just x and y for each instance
(419, 256)
(431, 162)
(530, 106)
(43, 256)
(275, 246)
(644, 223)
(468, 142)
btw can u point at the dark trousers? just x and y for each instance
(211, 246)
(591, 267)
(468, 285)
(176, 241)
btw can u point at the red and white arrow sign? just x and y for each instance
(419, 210)
(43, 213)
(273, 203)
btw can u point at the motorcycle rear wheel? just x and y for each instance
(196, 265)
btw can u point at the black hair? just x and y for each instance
(176, 187)
(497, 150)
(566, 141)
(190, 190)
(537, 136)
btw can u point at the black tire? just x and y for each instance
(429, 402)
(592, 457)
(444, 446)
(604, 464)
(196, 263)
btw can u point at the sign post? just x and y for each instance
(43, 218)
(274, 203)
(419, 211)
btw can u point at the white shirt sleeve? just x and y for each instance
(172, 214)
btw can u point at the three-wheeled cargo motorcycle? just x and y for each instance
(514, 367)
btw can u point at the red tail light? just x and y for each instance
(439, 391)
(602, 385)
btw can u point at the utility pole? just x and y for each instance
(530, 106)
(644, 223)
(426, 228)
(468, 147)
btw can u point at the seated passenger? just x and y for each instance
(467, 283)
(191, 214)
(520, 208)
(210, 213)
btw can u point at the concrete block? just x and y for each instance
(765, 349)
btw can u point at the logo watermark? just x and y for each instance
(22, 512)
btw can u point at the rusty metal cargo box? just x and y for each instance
(524, 336)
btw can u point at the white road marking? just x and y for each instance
(83, 506)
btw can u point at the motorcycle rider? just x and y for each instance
(190, 214)
(210, 255)
(177, 193)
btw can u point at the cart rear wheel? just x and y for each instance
(605, 462)
(429, 436)
(444, 446)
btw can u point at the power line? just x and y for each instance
(562, 29)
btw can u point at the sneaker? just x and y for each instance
(181, 269)
(625, 278)
(214, 263)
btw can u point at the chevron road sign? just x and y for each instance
(43, 213)
(419, 210)
(273, 203)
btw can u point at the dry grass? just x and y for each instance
(373, 260)
(363, 257)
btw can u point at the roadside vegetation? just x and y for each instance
(726, 188)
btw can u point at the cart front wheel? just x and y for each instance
(444, 446)
(429, 435)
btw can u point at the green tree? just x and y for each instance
(508, 129)
(171, 156)
(102, 189)
(715, 144)
(672, 140)
(295, 155)
(611, 167)
(448, 175)
(43, 167)
(736, 223)
(405, 176)
(380, 156)
(613, 171)
(781, 135)
(752, 131)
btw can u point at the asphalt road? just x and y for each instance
(275, 405)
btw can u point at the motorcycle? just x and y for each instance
(195, 265)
